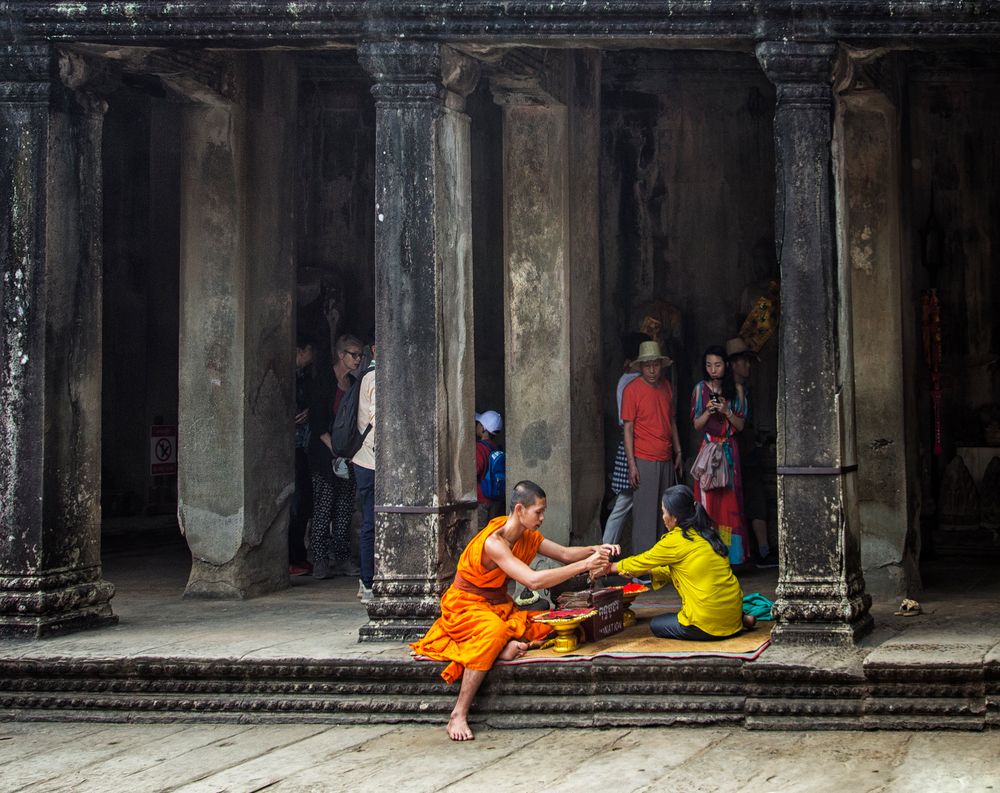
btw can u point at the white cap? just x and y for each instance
(490, 420)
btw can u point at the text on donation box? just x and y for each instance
(162, 450)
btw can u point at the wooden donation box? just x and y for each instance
(610, 616)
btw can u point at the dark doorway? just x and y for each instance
(140, 319)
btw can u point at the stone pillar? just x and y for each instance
(425, 484)
(821, 595)
(867, 148)
(553, 426)
(236, 331)
(50, 350)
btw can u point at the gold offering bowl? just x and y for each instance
(567, 630)
(628, 598)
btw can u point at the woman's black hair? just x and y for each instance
(679, 502)
(728, 381)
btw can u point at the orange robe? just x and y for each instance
(471, 631)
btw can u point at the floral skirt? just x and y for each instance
(725, 507)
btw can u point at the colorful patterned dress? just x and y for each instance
(725, 505)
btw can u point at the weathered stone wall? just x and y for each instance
(335, 193)
(867, 150)
(953, 125)
(587, 379)
(651, 22)
(335, 226)
(487, 248)
(687, 209)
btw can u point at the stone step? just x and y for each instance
(603, 693)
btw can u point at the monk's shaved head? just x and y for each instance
(525, 493)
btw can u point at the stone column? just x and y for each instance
(50, 350)
(425, 484)
(236, 331)
(821, 596)
(867, 148)
(553, 429)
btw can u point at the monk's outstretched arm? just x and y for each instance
(497, 550)
(575, 553)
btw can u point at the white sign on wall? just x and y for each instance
(162, 450)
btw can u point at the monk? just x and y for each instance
(479, 622)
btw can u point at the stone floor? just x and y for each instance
(174, 659)
(143, 758)
(320, 619)
(311, 619)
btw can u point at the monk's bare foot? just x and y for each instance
(749, 622)
(514, 649)
(458, 728)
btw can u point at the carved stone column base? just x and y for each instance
(827, 634)
(821, 614)
(403, 609)
(250, 573)
(33, 607)
(413, 567)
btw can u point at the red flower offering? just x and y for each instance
(634, 589)
(563, 614)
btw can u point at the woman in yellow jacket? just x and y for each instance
(693, 556)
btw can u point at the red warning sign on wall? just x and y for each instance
(162, 450)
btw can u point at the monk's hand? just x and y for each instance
(611, 549)
(597, 563)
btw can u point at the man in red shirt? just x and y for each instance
(652, 444)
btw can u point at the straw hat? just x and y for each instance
(650, 351)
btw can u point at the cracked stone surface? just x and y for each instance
(179, 757)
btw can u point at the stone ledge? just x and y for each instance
(644, 692)
(313, 21)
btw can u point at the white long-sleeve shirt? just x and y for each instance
(366, 415)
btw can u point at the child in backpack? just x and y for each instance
(489, 467)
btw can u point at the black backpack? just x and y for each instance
(345, 438)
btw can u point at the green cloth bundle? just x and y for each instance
(756, 605)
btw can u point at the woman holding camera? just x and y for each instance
(718, 408)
